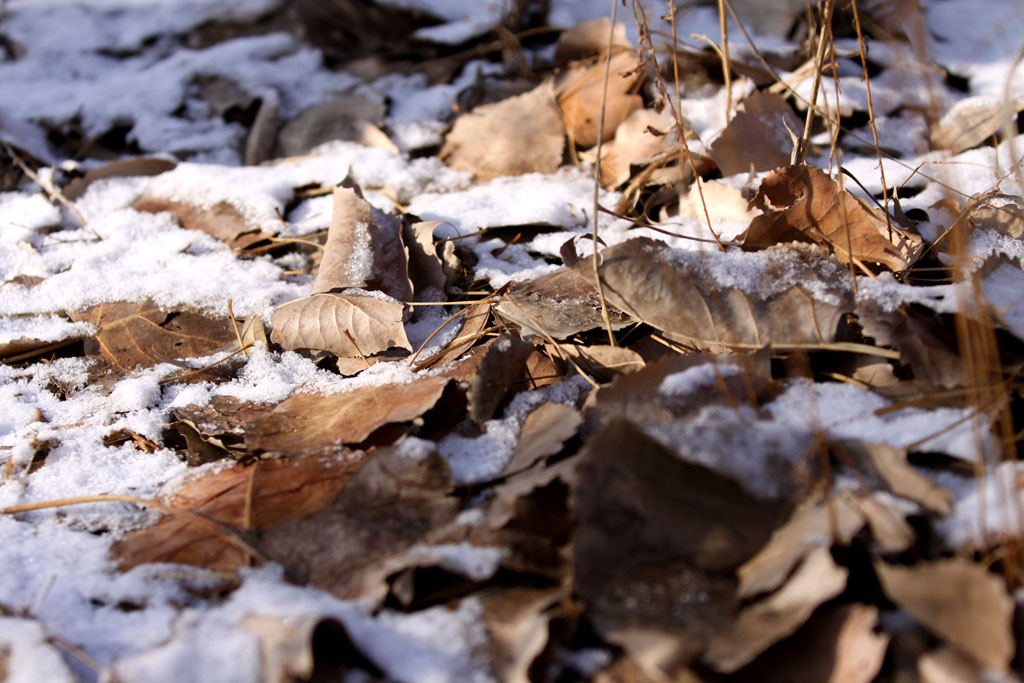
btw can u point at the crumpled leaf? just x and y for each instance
(558, 304)
(638, 140)
(802, 203)
(685, 295)
(222, 220)
(959, 601)
(350, 548)
(580, 94)
(255, 496)
(364, 249)
(756, 137)
(770, 620)
(475, 320)
(308, 423)
(348, 325)
(133, 335)
(517, 623)
(523, 134)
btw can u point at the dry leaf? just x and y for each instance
(259, 495)
(426, 270)
(544, 432)
(959, 601)
(718, 200)
(803, 204)
(675, 292)
(559, 304)
(259, 144)
(589, 38)
(581, 92)
(308, 423)
(888, 467)
(475, 320)
(216, 429)
(946, 665)
(600, 361)
(838, 646)
(393, 503)
(350, 118)
(501, 365)
(1005, 217)
(140, 334)
(222, 220)
(517, 623)
(764, 623)
(972, 121)
(888, 524)
(657, 541)
(364, 249)
(346, 325)
(757, 138)
(815, 524)
(522, 134)
(636, 145)
(286, 646)
(123, 168)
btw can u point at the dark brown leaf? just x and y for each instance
(757, 137)
(498, 369)
(140, 334)
(255, 496)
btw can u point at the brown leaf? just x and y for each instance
(222, 220)
(523, 134)
(766, 622)
(219, 425)
(140, 334)
(657, 541)
(947, 665)
(426, 270)
(345, 325)
(498, 369)
(601, 361)
(838, 646)
(815, 524)
(475, 320)
(756, 138)
(517, 623)
(123, 168)
(544, 432)
(308, 424)
(717, 200)
(262, 138)
(558, 304)
(888, 468)
(364, 249)
(341, 119)
(972, 121)
(635, 145)
(1005, 216)
(803, 204)
(677, 292)
(580, 95)
(958, 601)
(351, 547)
(258, 495)
(589, 38)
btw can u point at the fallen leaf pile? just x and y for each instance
(638, 455)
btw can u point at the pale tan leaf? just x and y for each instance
(888, 466)
(523, 134)
(972, 121)
(959, 601)
(813, 525)
(425, 267)
(517, 623)
(364, 249)
(723, 202)
(802, 203)
(947, 665)
(638, 140)
(764, 623)
(345, 325)
(123, 168)
(601, 361)
(581, 93)
(677, 292)
(589, 38)
(222, 220)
